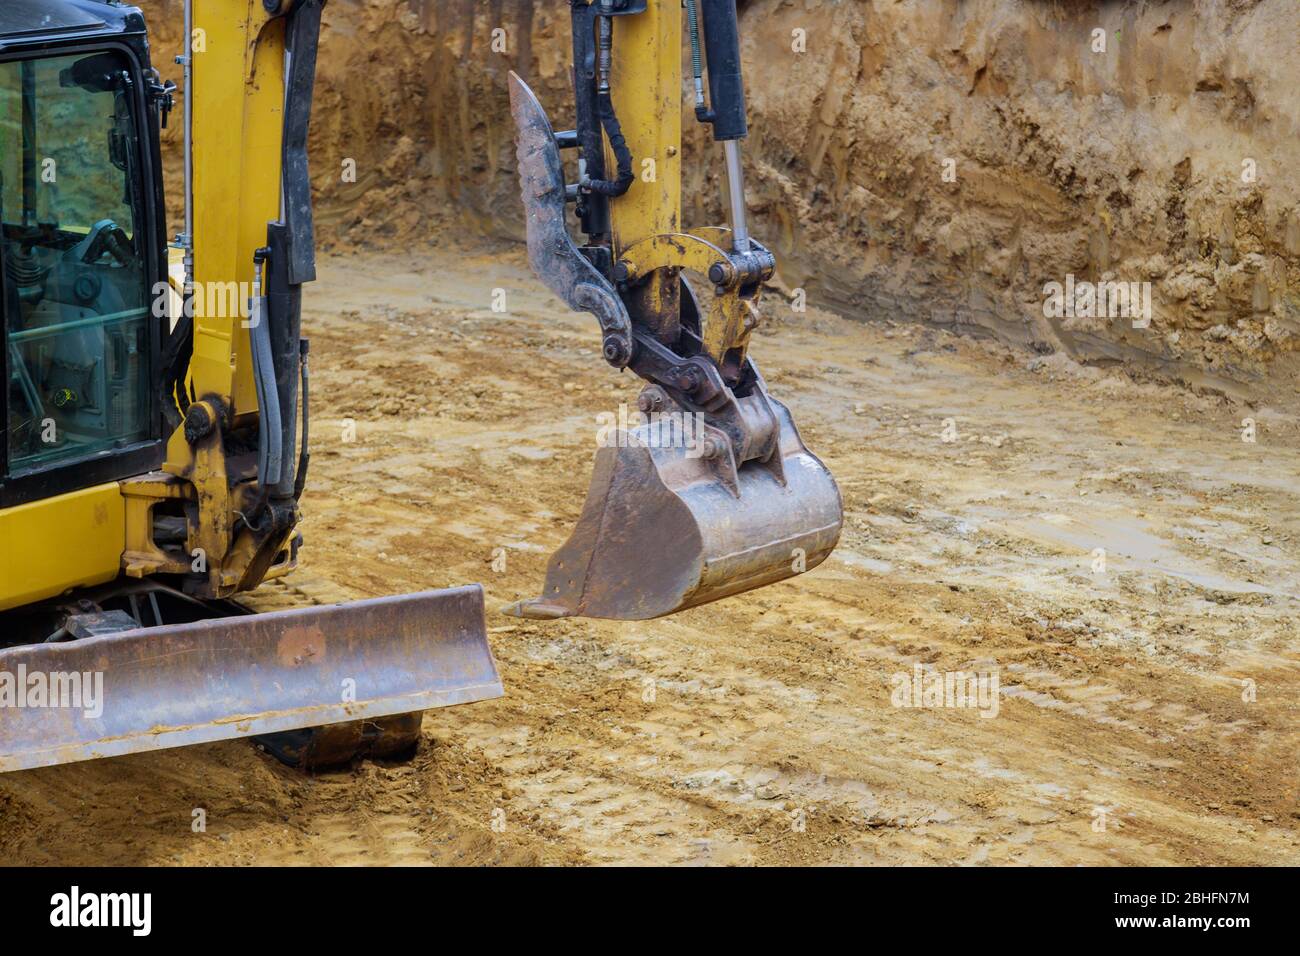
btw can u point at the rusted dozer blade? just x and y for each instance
(661, 532)
(236, 677)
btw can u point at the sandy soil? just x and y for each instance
(760, 729)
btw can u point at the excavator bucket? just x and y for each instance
(155, 688)
(663, 531)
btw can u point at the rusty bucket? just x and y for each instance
(667, 528)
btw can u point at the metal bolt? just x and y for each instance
(650, 400)
(615, 351)
(200, 420)
(711, 448)
(686, 377)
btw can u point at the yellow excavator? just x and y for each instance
(155, 416)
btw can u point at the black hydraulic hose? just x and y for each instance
(609, 119)
(270, 438)
(176, 360)
(697, 59)
(304, 450)
(270, 444)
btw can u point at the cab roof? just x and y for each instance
(40, 22)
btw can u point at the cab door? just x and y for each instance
(81, 338)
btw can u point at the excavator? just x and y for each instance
(155, 422)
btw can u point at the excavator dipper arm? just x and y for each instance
(714, 493)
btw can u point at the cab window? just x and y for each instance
(76, 305)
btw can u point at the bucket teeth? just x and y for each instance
(661, 532)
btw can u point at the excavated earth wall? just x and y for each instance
(937, 161)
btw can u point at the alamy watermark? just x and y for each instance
(133, 911)
(929, 688)
(208, 300)
(665, 429)
(54, 690)
(1094, 300)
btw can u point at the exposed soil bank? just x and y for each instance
(1125, 164)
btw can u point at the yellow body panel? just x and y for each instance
(238, 117)
(646, 87)
(72, 540)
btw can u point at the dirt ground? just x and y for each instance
(761, 729)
